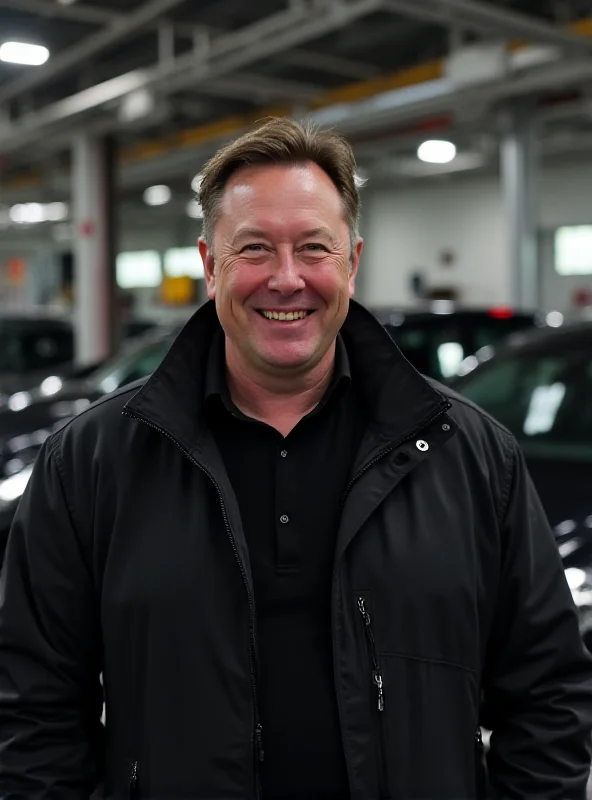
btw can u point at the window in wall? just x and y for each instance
(573, 250)
(182, 262)
(139, 269)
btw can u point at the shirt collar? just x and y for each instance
(216, 386)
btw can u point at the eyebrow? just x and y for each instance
(257, 233)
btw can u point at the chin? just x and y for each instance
(286, 361)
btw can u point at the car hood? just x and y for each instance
(43, 415)
(13, 382)
(564, 489)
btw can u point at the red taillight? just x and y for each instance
(501, 312)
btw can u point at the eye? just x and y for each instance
(314, 247)
(252, 248)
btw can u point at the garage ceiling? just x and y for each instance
(170, 79)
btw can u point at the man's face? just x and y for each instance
(280, 266)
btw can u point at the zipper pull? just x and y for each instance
(377, 678)
(259, 742)
(363, 612)
(133, 783)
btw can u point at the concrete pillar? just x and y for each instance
(520, 174)
(95, 312)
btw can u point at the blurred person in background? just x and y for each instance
(302, 569)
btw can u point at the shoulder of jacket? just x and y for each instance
(468, 414)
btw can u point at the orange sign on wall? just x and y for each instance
(16, 271)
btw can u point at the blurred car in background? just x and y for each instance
(26, 424)
(539, 385)
(33, 347)
(438, 338)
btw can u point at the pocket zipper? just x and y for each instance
(376, 672)
(133, 781)
(378, 683)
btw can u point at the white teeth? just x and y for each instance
(285, 316)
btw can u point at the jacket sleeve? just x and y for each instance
(50, 693)
(537, 682)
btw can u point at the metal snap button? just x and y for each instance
(446, 428)
(284, 453)
(422, 445)
(284, 519)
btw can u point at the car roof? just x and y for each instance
(442, 309)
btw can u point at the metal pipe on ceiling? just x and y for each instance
(89, 46)
(77, 12)
(486, 17)
(226, 53)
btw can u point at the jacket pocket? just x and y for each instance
(376, 676)
(480, 769)
(122, 780)
(134, 789)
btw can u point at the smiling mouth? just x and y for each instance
(284, 316)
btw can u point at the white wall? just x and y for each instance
(406, 229)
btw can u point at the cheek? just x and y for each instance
(329, 281)
(240, 280)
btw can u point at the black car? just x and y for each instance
(32, 344)
(34, 415)
(438, 338)
(36, 346)
(539, 385)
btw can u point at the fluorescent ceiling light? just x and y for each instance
(32, 213)
(157, 195)
(196, 182)
(194, 209)
(436, 151)
(32, 55)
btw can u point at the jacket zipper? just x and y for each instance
(379, 686)
(258, 728)
(133, 782)
(356, 477)
(481, 779)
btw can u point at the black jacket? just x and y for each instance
(127, 558)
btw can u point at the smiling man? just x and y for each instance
(303, 570)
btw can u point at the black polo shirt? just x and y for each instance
(289, 491)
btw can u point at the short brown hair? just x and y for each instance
(280, 140)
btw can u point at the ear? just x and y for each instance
(355, 263)
(207, 258)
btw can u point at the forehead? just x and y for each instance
(277, 189)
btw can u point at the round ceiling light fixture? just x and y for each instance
(157, 195)
(436, 151)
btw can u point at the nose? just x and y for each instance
(286, 277)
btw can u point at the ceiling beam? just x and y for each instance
(76, 12)
(245, 85)
(89, 46)
(321, 62)
(225, 55)
(485, 17)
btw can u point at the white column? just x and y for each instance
(94, 251)
(520, 174)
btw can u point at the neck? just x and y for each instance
(280, 401)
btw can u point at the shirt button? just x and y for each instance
(284, 519)
(284, 453)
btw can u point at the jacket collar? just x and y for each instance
(398, 400)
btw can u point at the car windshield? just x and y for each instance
(26, 347)
(438, 345)
(542, 397)
(131, 365)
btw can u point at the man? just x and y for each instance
(302, 570)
